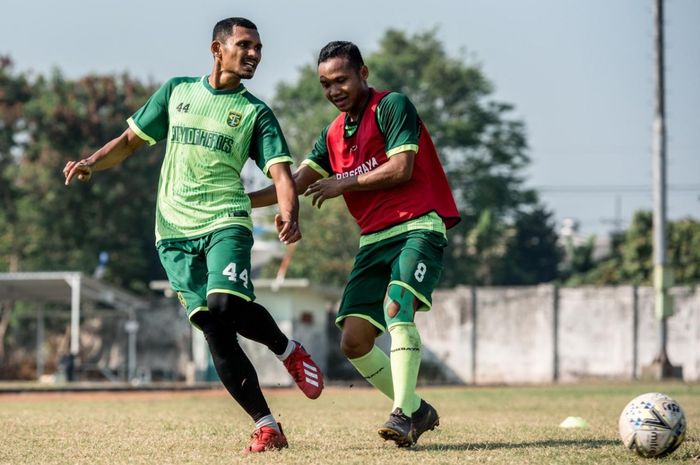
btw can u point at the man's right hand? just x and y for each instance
(288, 231)
(81, 169)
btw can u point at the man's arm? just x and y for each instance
(287, 221)
(303, 177)
(111, 154)
(397, 170)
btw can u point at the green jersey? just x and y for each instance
(397, 119)
(210, 134)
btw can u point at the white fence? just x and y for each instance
(545, 333)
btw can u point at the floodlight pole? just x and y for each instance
(663, 276)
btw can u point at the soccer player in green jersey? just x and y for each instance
(379, 156)
(212, 125)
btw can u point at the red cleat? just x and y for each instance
(305, 372)
(266, 438)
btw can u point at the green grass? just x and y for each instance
(494, 425)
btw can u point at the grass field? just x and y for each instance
(493, 425)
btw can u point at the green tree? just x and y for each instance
(630, 260)
(302, 111)
(482, 146)
(15, 92)
(51, 227)
(326, 252)
(684, 252)
(533, 254)
(636, 250)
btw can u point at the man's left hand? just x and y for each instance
(324, 189)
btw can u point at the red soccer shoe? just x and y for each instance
(305, 372)
(266, 438)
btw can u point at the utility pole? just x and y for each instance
(661, 367)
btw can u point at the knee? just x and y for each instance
(206, 322)
(400, 305)
(392, 309)
(354, 345)
(225, 306)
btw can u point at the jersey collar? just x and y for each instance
(351, 126)
(205, 82)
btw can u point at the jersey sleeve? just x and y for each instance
(268, 145)
(398, 121)
(150, 122)
(318, 160)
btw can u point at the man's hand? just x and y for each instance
(81, 169)
(110, 155)
(288, 230)
(324, 189)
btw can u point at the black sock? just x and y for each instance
(251, 320)
(233, 366)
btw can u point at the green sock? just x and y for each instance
(374, 366)
(405, 363)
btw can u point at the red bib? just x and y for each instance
(375, 210)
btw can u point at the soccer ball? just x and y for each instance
(653, 425)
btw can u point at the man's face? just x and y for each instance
(343, 85)
(241, 53)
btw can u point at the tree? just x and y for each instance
(15, 92)
(684, 251)
(533, 254)
(326, 252)
(636, 250)
(483, 148)
(330, 235)
(630, 260)
(302, 111)
(51, 227)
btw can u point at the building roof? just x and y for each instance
(69, 288)
(273, 284)
(56, 287)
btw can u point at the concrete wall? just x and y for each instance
(300, 310)
(543, 333)
(532, 334)
(163, 342)
(596, 332)
(301, 314)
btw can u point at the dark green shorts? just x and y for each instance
(216, 262)
(412, 260)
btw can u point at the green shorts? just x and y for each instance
(216, 262)
(412, 260)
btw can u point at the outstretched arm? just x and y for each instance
(397, 170)
(302, 177)
(111, 154)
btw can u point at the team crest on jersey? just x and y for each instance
(234, 119)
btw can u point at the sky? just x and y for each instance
(579, 73)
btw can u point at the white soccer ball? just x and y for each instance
(653, 425)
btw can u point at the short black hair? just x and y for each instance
(224, 28)
(343, 49)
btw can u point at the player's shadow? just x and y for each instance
(579, 443)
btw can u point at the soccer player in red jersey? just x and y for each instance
(379, 156)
